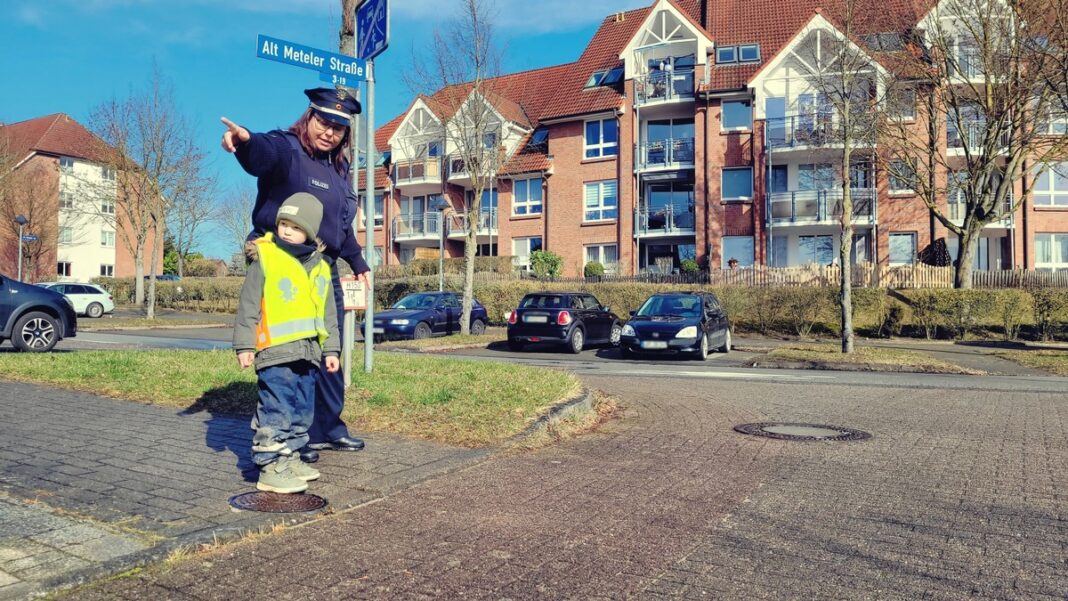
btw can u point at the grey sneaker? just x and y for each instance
(279, 477)
(302, 470)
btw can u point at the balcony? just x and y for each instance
(421, 227)
(814, 130)
(419, 176)
(820, 207)
(667, 154)
(664, 87)
(974, 137)
(957, 211)
(487, 224)
(665, 220)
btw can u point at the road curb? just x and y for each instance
(583, 401)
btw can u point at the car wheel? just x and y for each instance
(35, 332)
(422, 330)
(515, 346)
(478, 327)
(726, 348)
(94, 310)
(615, 334)
(577, 341)
(702, 352)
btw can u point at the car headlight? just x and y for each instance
(399, 322)
(687, 332)
(628, 330)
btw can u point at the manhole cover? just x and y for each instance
(802, 431)
(272, 502)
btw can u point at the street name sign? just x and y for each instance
(325, 62)
(29, 238)
(372, 28)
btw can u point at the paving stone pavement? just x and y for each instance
(959, 495)
(91, 485)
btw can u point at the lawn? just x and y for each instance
(1053, 361)
(140, 323)
(874, 358)
(446, 400)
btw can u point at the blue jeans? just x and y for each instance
(284, 412)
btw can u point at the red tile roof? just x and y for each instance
(526, 160)
(57, 135)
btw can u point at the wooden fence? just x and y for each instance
(864, 276)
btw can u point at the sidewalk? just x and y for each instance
(92, 486)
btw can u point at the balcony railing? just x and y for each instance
(663, 86)
(487, 222)
(957, 210)
(672, 152)
(418, 171)
(820, 206)
(665, 219)
(417, 226)
(814, 130)
(974, 135)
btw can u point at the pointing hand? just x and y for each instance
(235, 134)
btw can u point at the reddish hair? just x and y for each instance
(339, 156)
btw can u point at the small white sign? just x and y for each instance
(355, 293)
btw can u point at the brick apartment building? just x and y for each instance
(675, 136)
(63, 182)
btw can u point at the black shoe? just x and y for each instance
(347, 443)
(308, 454)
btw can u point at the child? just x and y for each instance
(286, 323)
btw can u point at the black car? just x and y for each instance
(426, 314)
(34, 318)
(687, 323)
(571, 318)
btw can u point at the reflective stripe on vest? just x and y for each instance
(293, 306)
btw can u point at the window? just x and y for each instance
(739, 248)
(902, 177)
(407, 255)
(1054, 123)
(486, 250)
(737, 114)
(66, 200)
(107, 271)
(66, 164)
(605, 254)
(66, 235)
(816, 176)
(1051, 186)
(522, 247)
(1051, 252)
(749, 53)
(901, 104)
(63, 269)
(379, 202)
(527, 197)
(726, 55)
(107, 238)
(379, 256)
(539, 140)
(602, 138)
(605, 77)
(433, 149)
(107, 173)
(737, 183)
(107, 206)
(602, 201)
(902, 249)
(489, 140)
(779, 253)
(816, 249)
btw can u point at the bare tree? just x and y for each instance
(461, 67)
(190, 212)
(156, 163)
(974, 65)
(30, 190)
(234, 215)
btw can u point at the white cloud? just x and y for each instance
(544, 16)
(32, 15)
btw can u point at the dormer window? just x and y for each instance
(539, 139)
(605, 77)
(595, 79)
(749, 53)
(726, 55)
(433, 149)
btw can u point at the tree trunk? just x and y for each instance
(139, 274)
(470, 245)
(962, 267)
(845, 290)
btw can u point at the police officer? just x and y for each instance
(311, 156)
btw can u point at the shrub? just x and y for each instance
(689, 266)
(1012, 307)
(963, 309)
(926, 313)
(1050, 307)
(893, 321)
(593, 269)
(546, 264)
(806, 306)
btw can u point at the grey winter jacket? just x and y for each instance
(248, 317)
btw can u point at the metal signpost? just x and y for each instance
(21, 220)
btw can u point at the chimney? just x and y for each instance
(620, 17)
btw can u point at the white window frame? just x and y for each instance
(749, 60)
(1051, 192)
(601, 208)
(892, 105)
(1050, 263)
(723, 112)
(63, 268)
(528, 204)
(600, 146)
(66, 199)
(890, 177)
(107, 173)
(66, 235)
(107, 205)
(889, 248)
(522, 259)
(734, 55)
(66, 164)
(746, 261)
(107, 238)
(609, 266)
(107, 271)
(723, 172)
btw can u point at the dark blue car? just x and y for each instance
(34, 318)
(426, 314)
(677, 323)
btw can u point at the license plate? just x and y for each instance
(654, 344)
(378, 330)
(536, 318)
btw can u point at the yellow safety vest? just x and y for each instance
(293, 306)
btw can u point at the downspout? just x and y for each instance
(708, 205)
(1023, 216)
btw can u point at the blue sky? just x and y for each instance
(71, 55)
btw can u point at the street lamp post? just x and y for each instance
(21, 220)
(441, 205)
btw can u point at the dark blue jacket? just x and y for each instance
(282, 168)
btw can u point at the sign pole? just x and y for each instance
(20, 252)
(349, 336)
(369, 218)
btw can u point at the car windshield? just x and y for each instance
(542, 301)
(417, 301)
(683, 306)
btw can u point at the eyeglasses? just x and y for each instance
(334, 128)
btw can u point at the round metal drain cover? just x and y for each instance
(782, 431)
(272, 502)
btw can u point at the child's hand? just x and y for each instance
(245, 359)
(332, 364)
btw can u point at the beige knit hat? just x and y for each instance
(304, 210)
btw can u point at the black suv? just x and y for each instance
(571, 318)
(34, 318)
